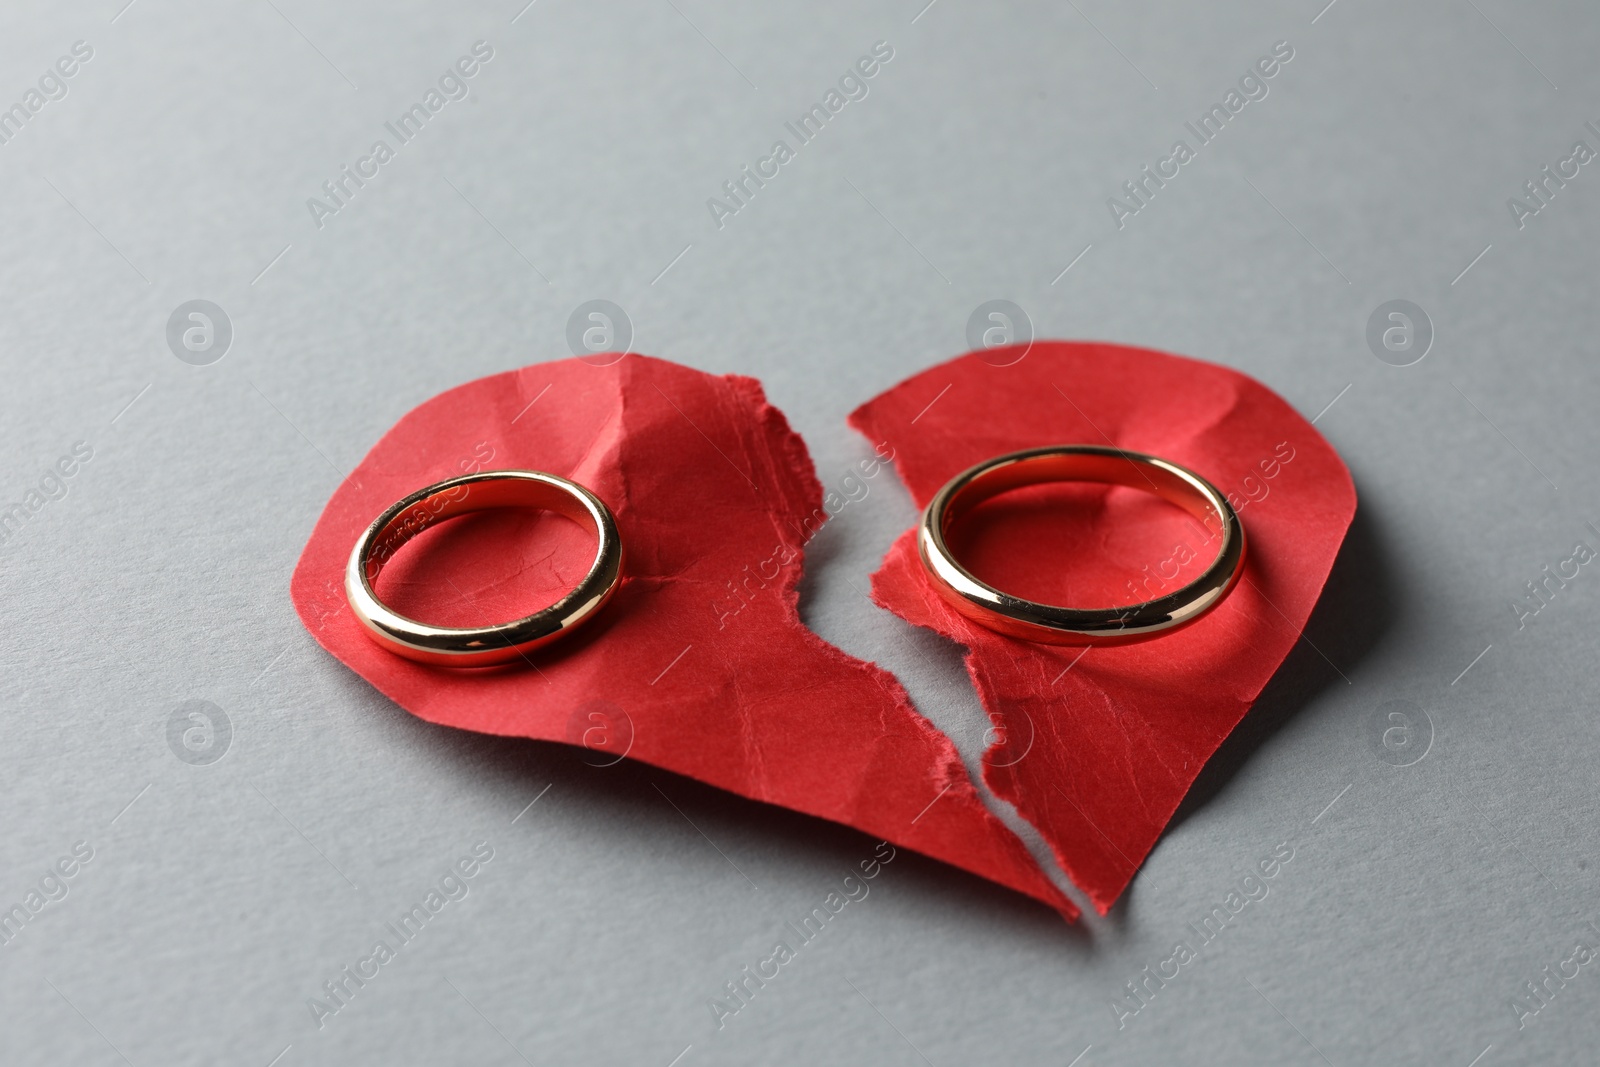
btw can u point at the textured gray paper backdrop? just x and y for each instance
(243, 850)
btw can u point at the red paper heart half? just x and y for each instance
(1097, 748)
(700, 664)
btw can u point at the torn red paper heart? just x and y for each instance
(1097, 748)
(700, 663)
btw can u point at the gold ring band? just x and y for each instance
(1055, 625)
(481, 646)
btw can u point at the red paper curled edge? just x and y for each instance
(1097, 752)
(700, 658)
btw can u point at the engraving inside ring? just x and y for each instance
(481, 568)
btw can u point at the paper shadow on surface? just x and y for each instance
(1355, 609)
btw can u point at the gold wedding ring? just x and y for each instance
(1055, 625)
(481, 646)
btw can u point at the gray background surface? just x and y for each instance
(221, 896)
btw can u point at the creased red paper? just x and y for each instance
(700, 664)
(1097, 748)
